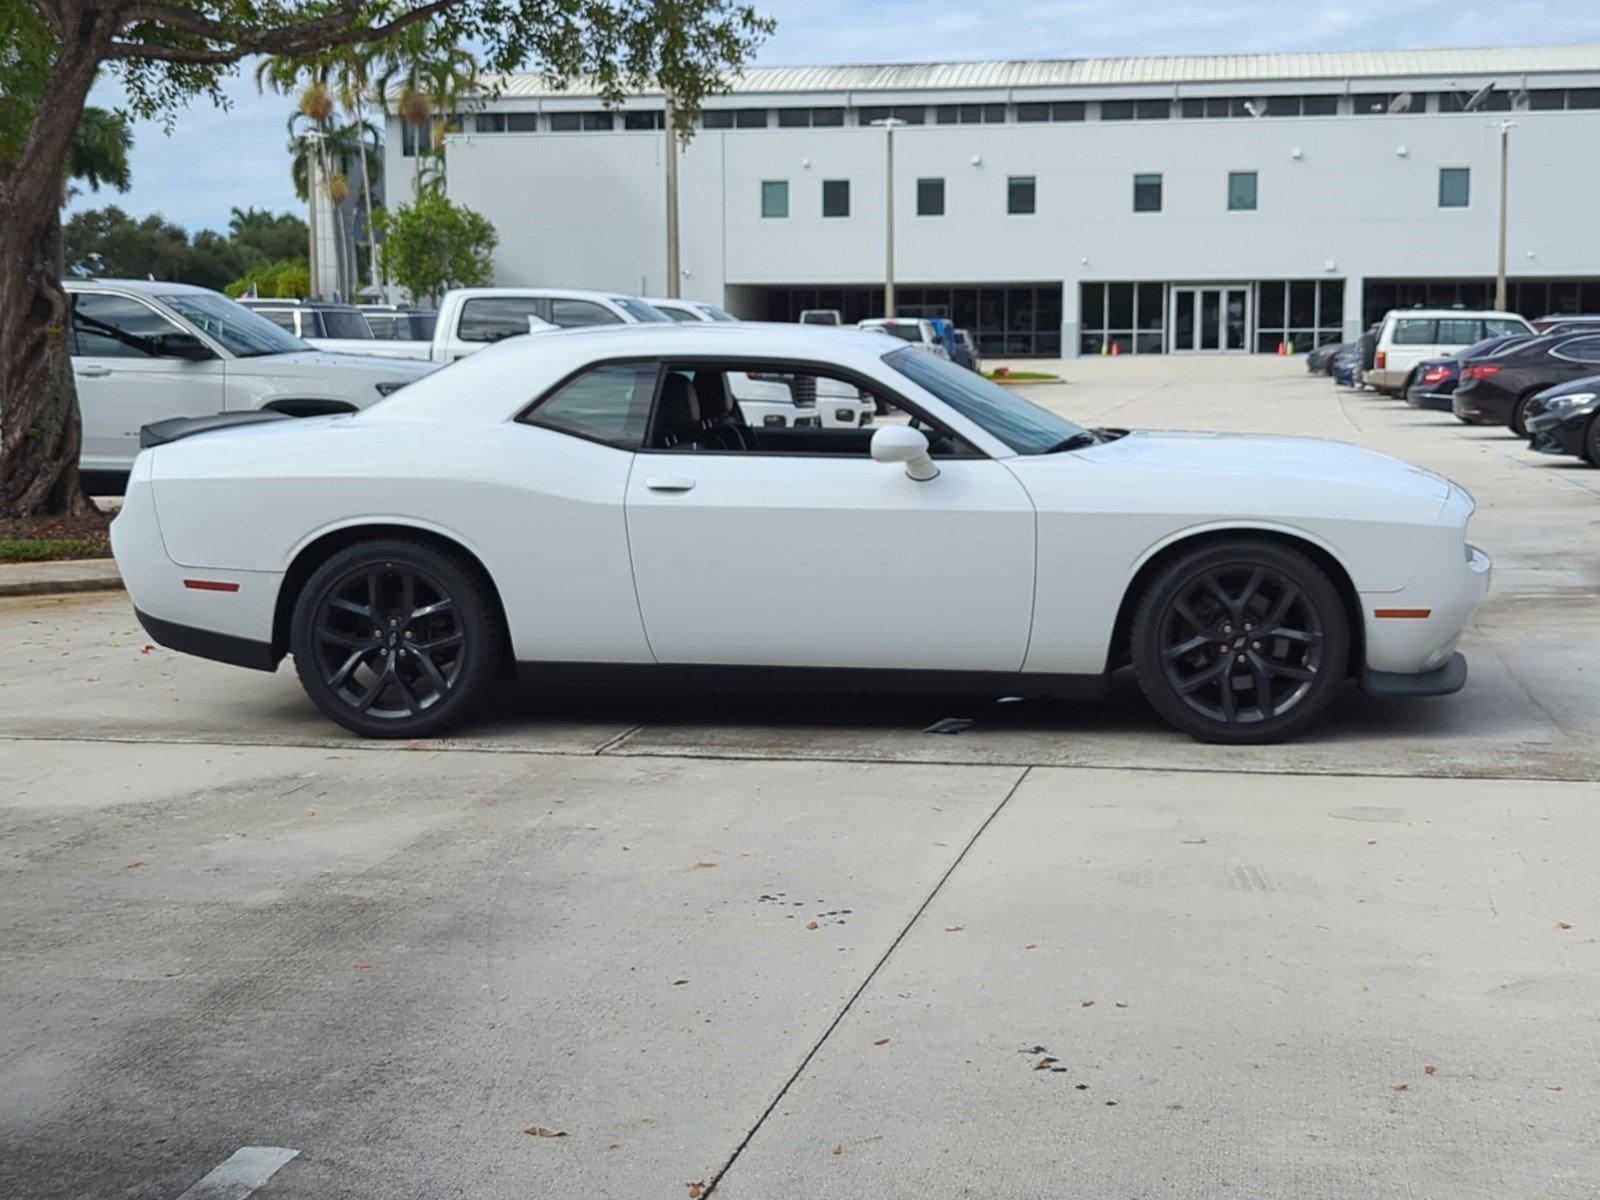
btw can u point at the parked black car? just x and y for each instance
(1433, 383)
(1566, 419)
(1568, 323)
(1496, 391)
(1320, 360)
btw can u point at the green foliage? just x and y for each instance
(433, 245)
(17, 550)
(285, 279)
(271, 237)
(108, 242)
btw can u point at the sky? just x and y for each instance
(217, 159)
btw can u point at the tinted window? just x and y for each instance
(247, 334)
(1020, 194)
(609, 404)
(681, 315)
(1585, 349)
(341, 324)
(1147, 193)
(836, 197)
(930, 197)
(283, 318)
(575, 314)
(1415, 331)
(1459, 331)
(774, 197)
(1455, 186)
(1025, 427)
(645, 314)
(718, 314)
(490, 318)
(1499, 326)
(112, 327)
(1241, 191)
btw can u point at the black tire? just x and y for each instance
(1205, 600)
(1519, 416)
(393, 638)
(1591, 441)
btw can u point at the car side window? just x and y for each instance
(609, 404)
(1460, 331)
(115, 327)
(1584, 350)
(1415, 331)
(283, 318)
(490, 318)
(573, 314)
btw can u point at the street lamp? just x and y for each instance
(1505, 128)
(890, 124)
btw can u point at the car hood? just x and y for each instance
(1337, 464)
(302, 364)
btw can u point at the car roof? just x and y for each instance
(143, 287)
(1454, 312)
(535, 290)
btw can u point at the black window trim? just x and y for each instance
(665, 362)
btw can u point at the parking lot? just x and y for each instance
(778, 946)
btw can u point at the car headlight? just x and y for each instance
(1571, 400)
(389, 389)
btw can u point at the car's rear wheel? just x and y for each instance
(394, 638)
(1591, 440)
(1239, 641)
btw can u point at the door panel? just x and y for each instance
(831, 561)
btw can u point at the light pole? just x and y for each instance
(671, 125)
(890, 124)
(1505, 128)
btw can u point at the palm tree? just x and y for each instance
(430, 81)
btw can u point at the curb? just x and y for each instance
(58, 578)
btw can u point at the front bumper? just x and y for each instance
(1559, 432)
(1444, 680)
(1414, 632)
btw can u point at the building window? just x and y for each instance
(930, 197)
(774, 197)
(1127, 317)
(734, 118)
(807, 118)
(570, 122)
(1147, 193)
(1060, 110)
(970, 114)
(1020, 195)
(1455, 186)
(489, 123)
(836, 197)
(911, 115)
(1301, 313)
(1135, 110)
(413, 136)
(644, 120)
(1241, 191)
(522, 122)
(1366, 104)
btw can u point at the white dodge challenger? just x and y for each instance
(589, 507)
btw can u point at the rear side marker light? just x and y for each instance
(210, 585)
(1408, 614)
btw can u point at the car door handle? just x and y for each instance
(669, 483)
(92, 372)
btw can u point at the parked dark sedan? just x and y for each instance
(1568, 323)
(1433, 382)
(1496, 391)
(1345, 365)
(1320, 361)
(1566, 419)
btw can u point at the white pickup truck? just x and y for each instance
(144, 351)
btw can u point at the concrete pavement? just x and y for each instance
(226, 924)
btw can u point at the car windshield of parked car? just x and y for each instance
(639, 310)
(718, 314)
(906, 333)
(243, 332)
(342, 323)
(1021, 425)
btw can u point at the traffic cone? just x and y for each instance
(1104, 349)
(1116, 349)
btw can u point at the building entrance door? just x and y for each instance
(1210, 318)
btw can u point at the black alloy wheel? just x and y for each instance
(1241, 641)
(395, 638)
(1591, 440)
(1519, 416)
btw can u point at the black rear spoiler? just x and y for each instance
(175, 428)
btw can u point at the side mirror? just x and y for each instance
(181, 345)
(902, 444)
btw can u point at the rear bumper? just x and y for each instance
(204, 643)
(1444, 680)
(1433, 401)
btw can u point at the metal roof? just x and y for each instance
(1111, 72)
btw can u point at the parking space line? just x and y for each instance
(241, 1173)
(865, 983)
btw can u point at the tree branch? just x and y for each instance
(319, 34)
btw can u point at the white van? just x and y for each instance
(1409, 335)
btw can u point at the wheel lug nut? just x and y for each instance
(1241, 658)
(1255, 645)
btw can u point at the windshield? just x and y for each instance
(906, 333)
(718, 314)
(1025, 427)
(638, 309)
(245, 333)
(681, 315)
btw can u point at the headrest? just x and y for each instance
(678, 406)
(712, 395)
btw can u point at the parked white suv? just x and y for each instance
(919, 331)
(1409, 335)
(144, 351)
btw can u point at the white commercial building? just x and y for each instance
(1212, 203)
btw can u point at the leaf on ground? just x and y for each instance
(311, 812)
(1122, 1004)
(173, 974)
(1402, 1087)
(1087, 1004)
(954, 928)
(1552, 1087)
(363, 966)
(1045, 1062)
(811, 925)
(1429, 1069)
(703, 863)
(838, 1147)
(679, 982)
(1031, 946)
(541, 1131)
(1372, 841)
(614, 1146)
(880, 1041)
(697, 1189)
(138, 862)
(146, 649)
(1563, 924)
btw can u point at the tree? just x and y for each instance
(274, 237)
(432, 245)
(287, 278)
(168, 52)
(108, 242)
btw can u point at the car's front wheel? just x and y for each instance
(394, 638)
(1239, 641)
(1591, 441)
(1519, 416)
